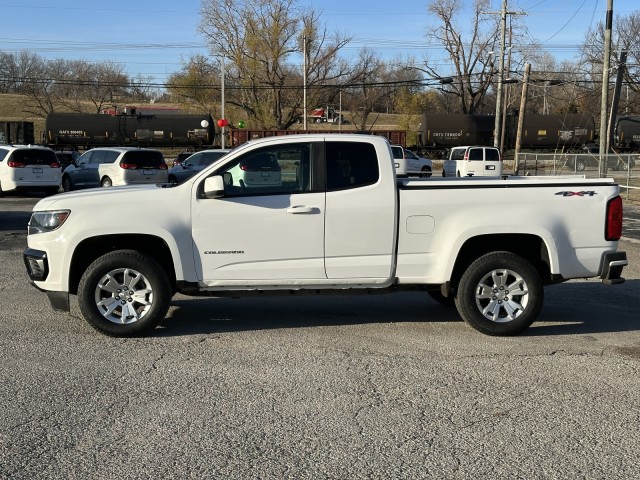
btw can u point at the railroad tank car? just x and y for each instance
(565, 131)
(82, 130)
(539, 131)
(627, 133)
(16, 133)
(453, 130)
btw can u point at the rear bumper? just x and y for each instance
(612, 266)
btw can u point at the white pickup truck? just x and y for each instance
(323, 214)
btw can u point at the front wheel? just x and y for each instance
(500, 294)
(425, 172)
(124, 293)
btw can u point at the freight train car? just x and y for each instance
(568, 131)
(16, 133)
(240, 136)
(83, 130)
(627, 133)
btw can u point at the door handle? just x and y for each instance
(297, 209)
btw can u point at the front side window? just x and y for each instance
(350, 165)
(281, 169)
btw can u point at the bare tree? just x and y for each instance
(258, 39)
(473, 65)
(625, 35)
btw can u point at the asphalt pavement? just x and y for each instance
(339, 387)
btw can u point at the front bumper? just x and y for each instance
(37, 265)
(612, 265)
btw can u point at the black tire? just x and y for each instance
(106, 182)
(482, 286)
(425, 172)
(437, 295)
(124, 294)
(581, 165)
(67, 185)
(173, 180)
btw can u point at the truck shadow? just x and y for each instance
(572, 308)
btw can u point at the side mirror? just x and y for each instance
(214, 187)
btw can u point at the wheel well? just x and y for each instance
(92, 248)
(530, 247)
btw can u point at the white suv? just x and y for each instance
(113, 166)
(27, 167)
(473, 161)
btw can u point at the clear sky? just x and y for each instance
(152, 37)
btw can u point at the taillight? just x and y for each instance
(14, 164)
(613, 227)
(54, 164)
(128, 166)
(466, 156)
(163, 166)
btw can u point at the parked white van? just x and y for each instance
(473, 161)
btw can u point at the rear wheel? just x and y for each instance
(67, 186)
(106, 182)
(425, 172)
(124, 293)
(500, 294)
(581, 165)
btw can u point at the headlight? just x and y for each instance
(42, 222)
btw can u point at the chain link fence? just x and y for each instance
(624, 168)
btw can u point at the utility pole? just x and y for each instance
(521, 113)
(497, 129)
(304, 81)
(498, 125)
(622, 65)
(222, 99)
(604, 101)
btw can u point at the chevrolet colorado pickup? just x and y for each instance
(323, 214)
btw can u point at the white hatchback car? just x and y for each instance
(409, 164)
(28, 167)
(260, 169)
(113, 166)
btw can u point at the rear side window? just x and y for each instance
(351, 165)
(492, 154)
(397, 152)
(144, 158)
(34, 157)
(3, 153)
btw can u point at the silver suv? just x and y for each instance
(113, 166)
(27, 167)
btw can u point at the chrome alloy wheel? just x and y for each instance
(502, 295)
(123, 296)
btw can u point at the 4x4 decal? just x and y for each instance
(589, 193)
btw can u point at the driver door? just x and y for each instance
(269, 226)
